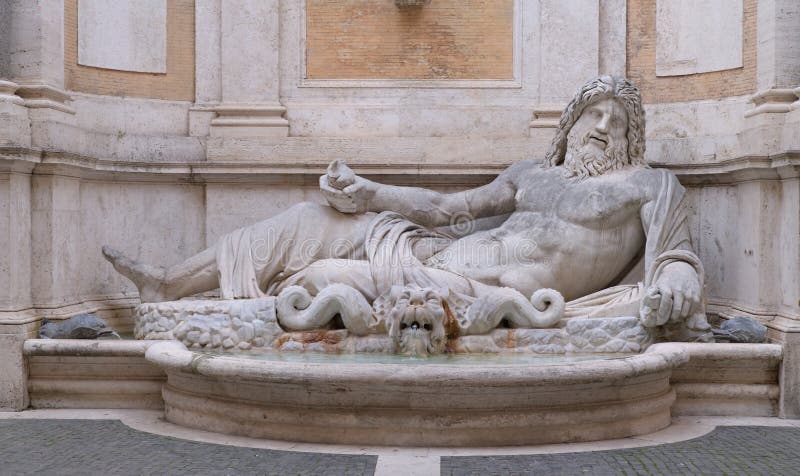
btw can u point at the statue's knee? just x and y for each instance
(309, 209)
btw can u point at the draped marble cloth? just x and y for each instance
(383, 257)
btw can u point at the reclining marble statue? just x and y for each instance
(574, 227)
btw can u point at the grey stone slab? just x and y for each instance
(728, 450)
(107, 447)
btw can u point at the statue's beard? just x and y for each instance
(583, 160)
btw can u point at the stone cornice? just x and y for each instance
(782, 320)
(86, 304)
(741, 169)
(24, 160)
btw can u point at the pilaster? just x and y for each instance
(17, 321)
(249, 71)
(208, 87)
(35, 41)
(778, 57)
(56, 219)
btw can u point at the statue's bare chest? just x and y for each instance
(596, 202)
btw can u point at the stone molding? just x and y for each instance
(782, 320)
(28, 160)
(775, 100)
(249, 120)
(45, 96)
(546, 117)
(79, 305)
(796, 104)
(7, 92)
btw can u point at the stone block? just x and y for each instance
(789, 403)
(13, 367)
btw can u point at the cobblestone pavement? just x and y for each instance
(728, 450)
(107, 447)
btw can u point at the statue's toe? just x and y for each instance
(110, 253)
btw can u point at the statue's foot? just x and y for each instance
(148, 279)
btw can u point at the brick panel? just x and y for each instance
(176, 84)
(641, 46)
(447, 39)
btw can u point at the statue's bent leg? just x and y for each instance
(301, 224)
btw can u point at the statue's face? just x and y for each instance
(598, 139)
(601, 124)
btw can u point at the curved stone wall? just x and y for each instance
(420, 404)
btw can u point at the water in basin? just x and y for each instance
(442, 359)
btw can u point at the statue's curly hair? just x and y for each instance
(597, 89)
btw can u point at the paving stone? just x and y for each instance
(728, 450)
(107, 447)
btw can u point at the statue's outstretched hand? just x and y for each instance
(344, 190)
(674, 297)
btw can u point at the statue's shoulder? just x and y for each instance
(523, 167)
(653, 180)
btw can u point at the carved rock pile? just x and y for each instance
(210, 324)
(253, 324)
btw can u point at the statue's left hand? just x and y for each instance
(344, 190)
(679, 288)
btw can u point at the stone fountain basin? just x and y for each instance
(419, 404)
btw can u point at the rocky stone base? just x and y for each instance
(210, 324)
(252, 324)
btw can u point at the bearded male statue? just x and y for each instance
(579, 222)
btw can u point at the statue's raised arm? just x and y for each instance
(349, 193)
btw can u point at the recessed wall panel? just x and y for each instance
(446, 39)
(123, 35)
(698, 36)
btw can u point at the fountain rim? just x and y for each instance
(174, 356)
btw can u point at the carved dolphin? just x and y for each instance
(82, 326)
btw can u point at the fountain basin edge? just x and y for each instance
(420, 404)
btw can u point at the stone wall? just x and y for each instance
(244, 121)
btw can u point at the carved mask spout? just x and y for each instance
(415, 343)
(416, 322)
